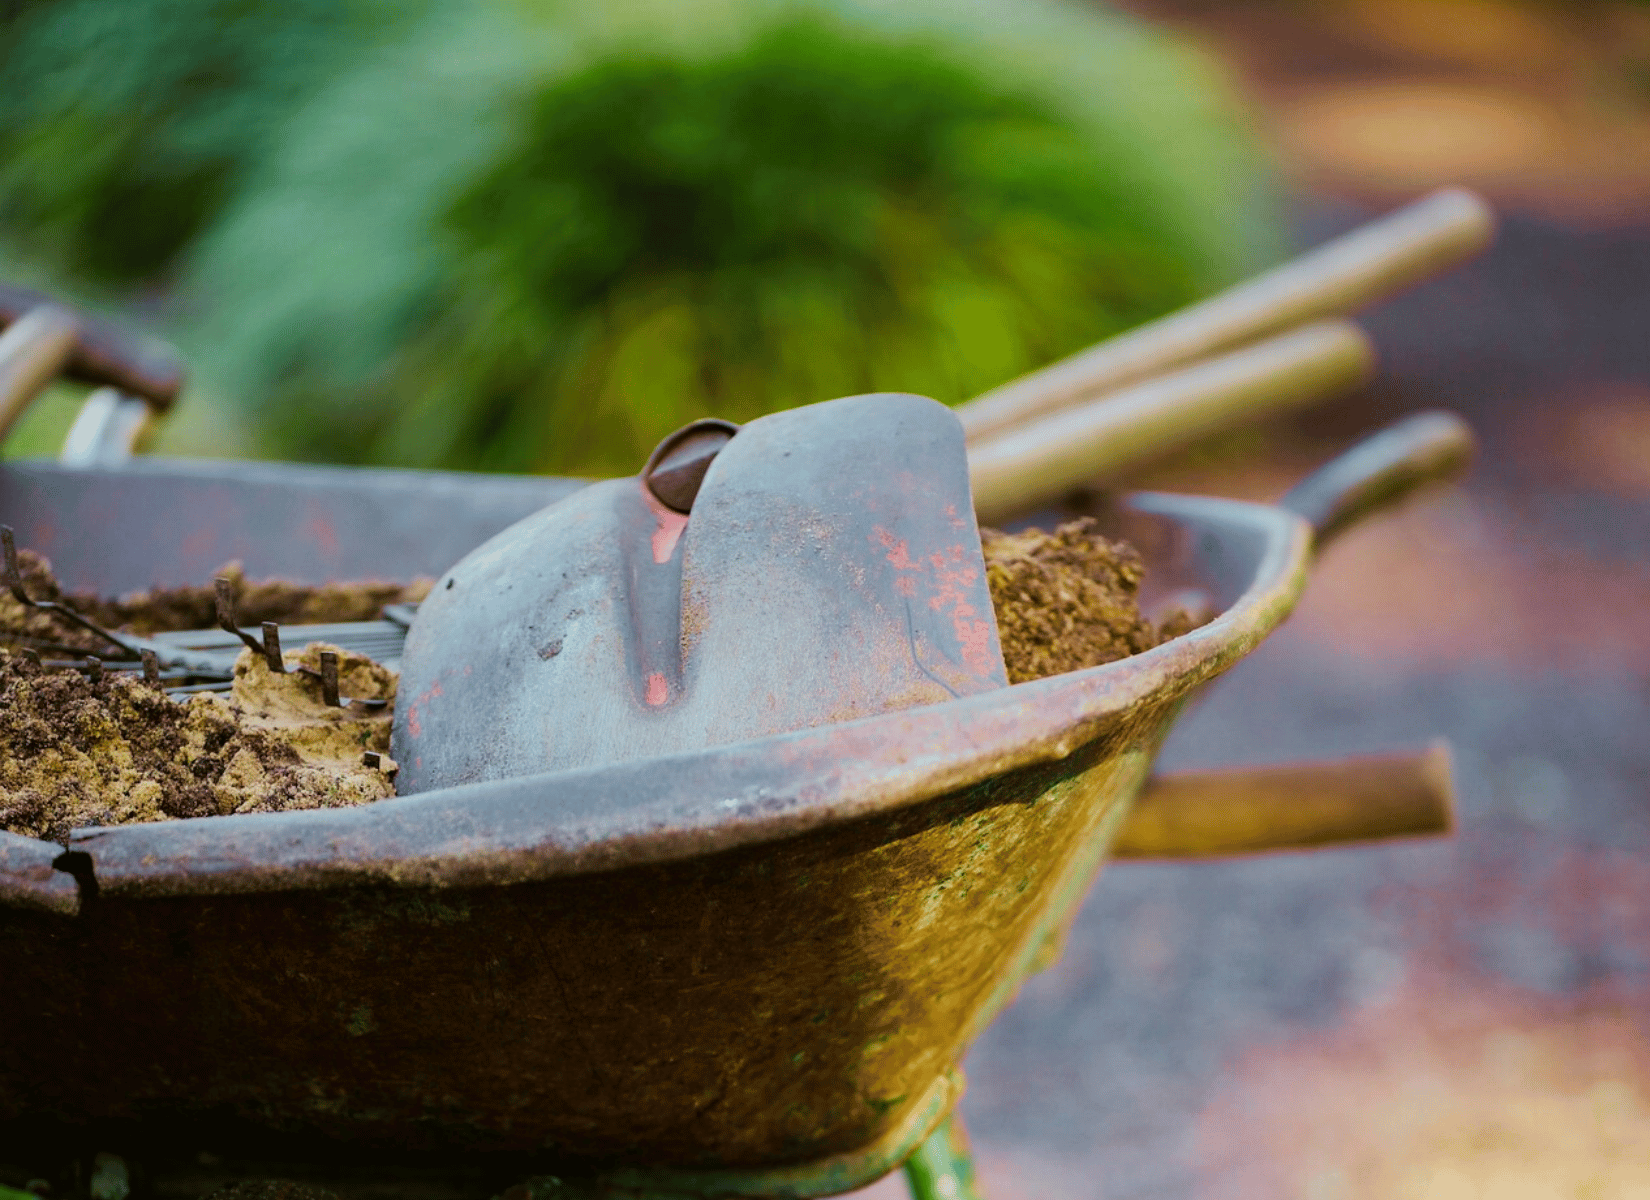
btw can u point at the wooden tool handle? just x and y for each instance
(104, 353)
(1252, 810)
(1381, 470)
(1338, 277)
(1039, 461)
(32, 351)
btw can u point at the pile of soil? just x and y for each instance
(76, 753)
(165, 609)
(1069, 599)
(117, 751)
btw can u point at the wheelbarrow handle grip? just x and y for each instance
(32, 350)
(1382, 469)
(104, 353)
(1296, 806)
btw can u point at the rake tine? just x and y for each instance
(225, 597)
(329, 679)
(272, 648)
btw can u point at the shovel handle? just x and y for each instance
(1339, 277)
(104, 353)
(1036, 462)
(1296, 806)
(1379, 471)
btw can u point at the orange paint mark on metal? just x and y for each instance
(414, 725)
(899, 555)
(951, 588)
(658, 691)
(668, 532)
(319, 527)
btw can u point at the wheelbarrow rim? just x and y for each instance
(682, 805)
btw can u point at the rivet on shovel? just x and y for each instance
(675, 470)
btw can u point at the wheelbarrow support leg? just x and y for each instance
(942, 1168)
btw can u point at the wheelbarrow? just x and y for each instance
(743, 970)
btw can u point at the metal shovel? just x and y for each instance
(816, 566)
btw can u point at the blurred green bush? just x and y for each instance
(124, 127)
(538, 237)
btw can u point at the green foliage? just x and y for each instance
(539, 236)
(126, 125)
(816, 214)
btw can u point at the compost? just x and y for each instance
(78, 751)
(164, 609)
(1069, 599)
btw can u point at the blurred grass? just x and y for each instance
(538, 236)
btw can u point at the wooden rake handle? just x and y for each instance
(1337, 278)
(1042, 459)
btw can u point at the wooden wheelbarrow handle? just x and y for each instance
(1297, 806)
(104, 353)
(33, 349)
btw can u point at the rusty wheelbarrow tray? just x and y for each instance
(751, 968)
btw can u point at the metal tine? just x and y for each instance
(151, 667)
(14, 584)
(272, 648)
(329, 679)
(14, 576)
(224, 590)
(94, 668)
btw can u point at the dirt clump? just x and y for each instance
(1069, 599)
(76, 752)
(161, 610)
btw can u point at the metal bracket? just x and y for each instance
(106, 431)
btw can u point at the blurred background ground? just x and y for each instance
(1460, 1020)
(1453, 1020)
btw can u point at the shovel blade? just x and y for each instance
(829, 569)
